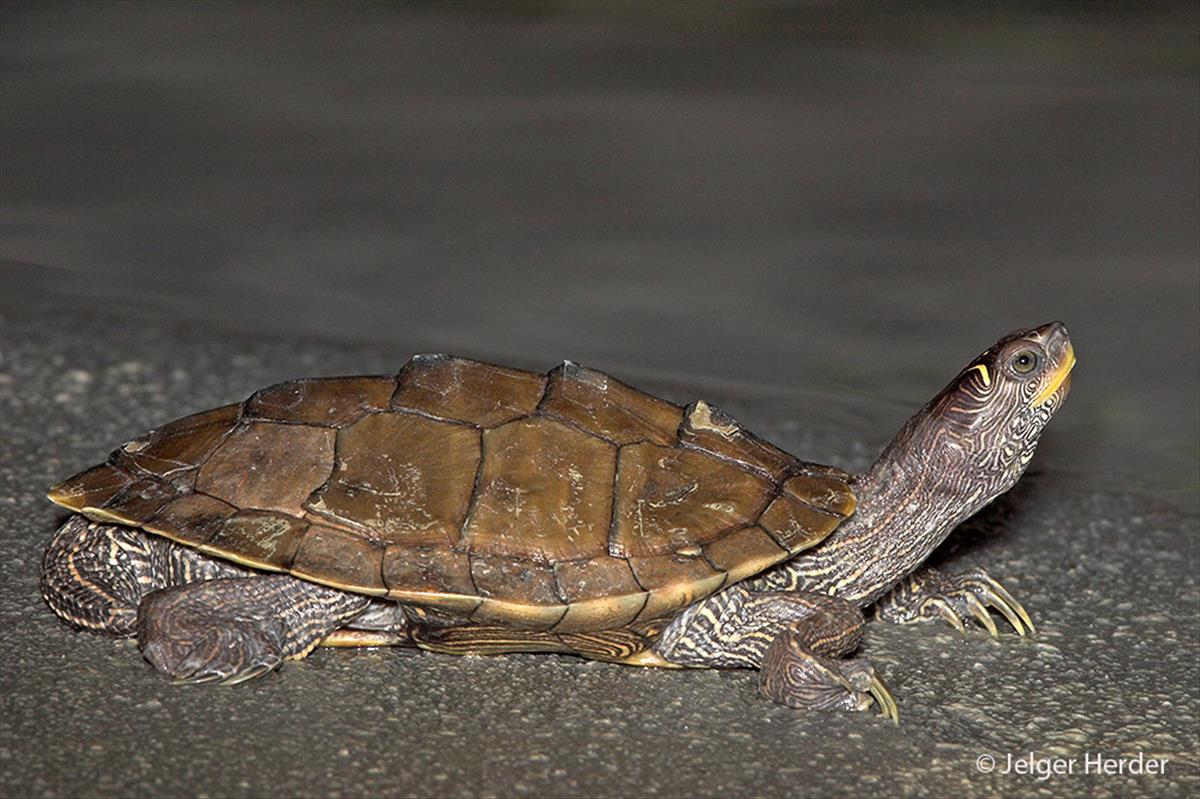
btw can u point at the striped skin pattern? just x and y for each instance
(970, 444)
(736, 631)
(566, 502)
(96, 575)
(189, 611)
(792, 674)
(967, 446)
(794, 620)
(235, 629)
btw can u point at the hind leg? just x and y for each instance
(95, 576)
(195, 617)
(234, 630)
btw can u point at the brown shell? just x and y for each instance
(567, 502)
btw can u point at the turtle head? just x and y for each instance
(993, 412)
(968, 445)
(976, 437)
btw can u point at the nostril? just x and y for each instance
(1051, 331)
(1054, 337)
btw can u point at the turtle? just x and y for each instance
(467, 508)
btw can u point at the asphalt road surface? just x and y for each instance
(811, 216)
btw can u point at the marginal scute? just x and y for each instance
(518, 614)
(431, 575)
(581, 580)
(674, 582)
(669, 499)
(516, 592)
(602, 613)
(193, 519)
(573, 505)
(797, 525)
(822, 470)
(326, 401)
(707, 428)
(544, 493)
(179, 445)
(469, 391)
(608, 408)
(744, 553)
(340, 559)
(90, 488)
(824, 491)
(514, 580)
(269, 466)
(602, 593)
(260, 539)
(401, 478)
(138, 502)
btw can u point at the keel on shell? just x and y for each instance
(567, 502)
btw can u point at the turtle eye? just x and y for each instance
(1024, 362)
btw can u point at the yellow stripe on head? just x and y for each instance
(1056, 378)
(983, 371)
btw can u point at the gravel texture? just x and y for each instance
(810, 214)
(1110, 579)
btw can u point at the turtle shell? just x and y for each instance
(567, 502)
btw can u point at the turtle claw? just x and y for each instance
(981, 614)
(1003, 601)
(212, 659)
(249, 674)
(969, 596)
(793, 675)
(883, 697)
(1007, 610)
(990, 593)
(946, 612)
(203, 678)
(862, 682)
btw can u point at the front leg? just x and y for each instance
(796, 640)
(928, 594)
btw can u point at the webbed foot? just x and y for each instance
(929, 595)
(233, 630)
(191, 643)
(795, 676)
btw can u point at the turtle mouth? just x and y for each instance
(1059, 378)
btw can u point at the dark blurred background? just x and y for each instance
(812, 214)
(840, 198)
